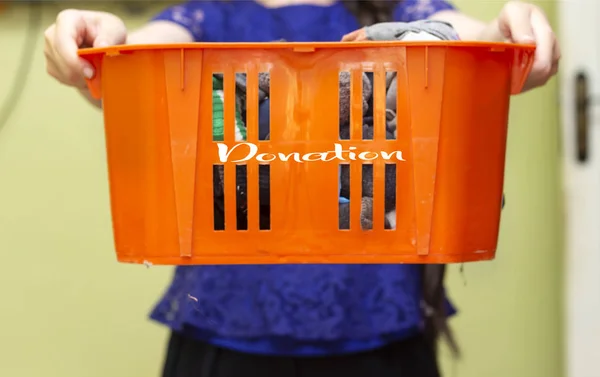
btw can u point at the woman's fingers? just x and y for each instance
(72, 30)
(356, 35)
(515, 22)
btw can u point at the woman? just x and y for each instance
(292, 320)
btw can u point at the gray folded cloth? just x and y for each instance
(424, 30)
(366, 215)
(389, 31)
(344, 95)
(241, 84)
(367, 175)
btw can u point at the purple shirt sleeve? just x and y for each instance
(414, 10)
(199, 17)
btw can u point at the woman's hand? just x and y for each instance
(75, 29)
(520, 22)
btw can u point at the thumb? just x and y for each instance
(353, 36)
(515, 23)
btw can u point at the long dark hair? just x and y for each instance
(434, 305)
(373, 11)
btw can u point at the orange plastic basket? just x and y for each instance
(452, 105)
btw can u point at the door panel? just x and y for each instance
(580, 40)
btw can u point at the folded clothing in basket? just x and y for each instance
(426, 30)
(419, 30)
(423, 30)
(219, 114)
(264, 126)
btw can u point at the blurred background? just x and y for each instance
(66, 305)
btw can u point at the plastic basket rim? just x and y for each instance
(303, 46)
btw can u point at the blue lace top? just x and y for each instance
(290, 309)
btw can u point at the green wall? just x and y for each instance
(68, 309)
(510, 320)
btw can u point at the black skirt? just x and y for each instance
(188, 357)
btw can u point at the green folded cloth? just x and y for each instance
(219, 114)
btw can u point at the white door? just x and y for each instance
(580, 104)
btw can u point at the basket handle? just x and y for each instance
(95, 83)
(522, 64)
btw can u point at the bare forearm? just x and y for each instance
(160, 32)
(154, 32)
(469, 28)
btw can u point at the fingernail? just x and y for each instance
(88, 72)
(100, 43)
